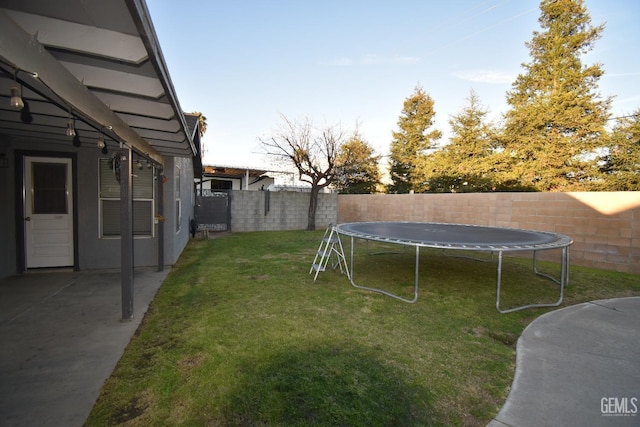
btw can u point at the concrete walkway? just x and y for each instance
(61, 337)
(578, 366)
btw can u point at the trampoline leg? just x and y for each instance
(389, 294)
(564, 280)
(535, 269)
(566, 261)
(351, 250)
(415, 288)
(498, 282)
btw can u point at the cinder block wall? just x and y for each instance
(285, 210)
(605, 226)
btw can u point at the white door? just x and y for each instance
(48, 212)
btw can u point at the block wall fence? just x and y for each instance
(605, 226)
(279, 210)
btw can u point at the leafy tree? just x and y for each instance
(556, 117)
(411, 145)
(468, 162)
(622, 164)
(312, 151)
(357, 167)
(203, 122)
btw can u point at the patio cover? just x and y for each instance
(98, 61)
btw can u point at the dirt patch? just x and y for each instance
(133, 412)
(507, 338)
(191, 361)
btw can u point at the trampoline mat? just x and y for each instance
(440, 234)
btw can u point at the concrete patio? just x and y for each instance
(62, 336)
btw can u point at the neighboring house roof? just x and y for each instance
(193, 122)
(193, 125)
(99, 60)
(231, 171)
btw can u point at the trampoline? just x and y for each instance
(462, 237)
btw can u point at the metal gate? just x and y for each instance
(213, 210)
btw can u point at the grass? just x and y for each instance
(240, 335)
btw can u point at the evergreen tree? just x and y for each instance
(466, 164)
(556, 116)
(622, 164)
(356, 170)
(411, 144)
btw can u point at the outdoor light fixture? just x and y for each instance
(139, 164)
(101, 143)
(16, 98)
(16, 94)
(71, 131)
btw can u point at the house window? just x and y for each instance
(219, 184)
(142, 187)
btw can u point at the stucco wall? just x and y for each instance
(177, 235)
(287, 210)
(605, 226)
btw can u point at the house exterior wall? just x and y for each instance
(604, 226)
(287, 210)
(7, 211)
(177, 229)
(90, 242)
(93, 251)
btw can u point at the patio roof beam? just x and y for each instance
(147, 34)
(24, 52)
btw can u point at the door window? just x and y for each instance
(49, 189)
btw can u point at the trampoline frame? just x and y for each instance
(561, 242)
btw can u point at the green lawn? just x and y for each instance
(240, 335)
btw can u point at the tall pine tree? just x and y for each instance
(556, 116)
(466, 164)
(411, 144)
(621, 166)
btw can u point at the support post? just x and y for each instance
(126, 235)
(160, 216)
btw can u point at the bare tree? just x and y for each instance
(312, 151)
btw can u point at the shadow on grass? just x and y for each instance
(325, 386)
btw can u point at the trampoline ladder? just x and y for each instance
(330, 250)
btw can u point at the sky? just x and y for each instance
(352, 63)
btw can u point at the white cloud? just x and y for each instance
(485, 76)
